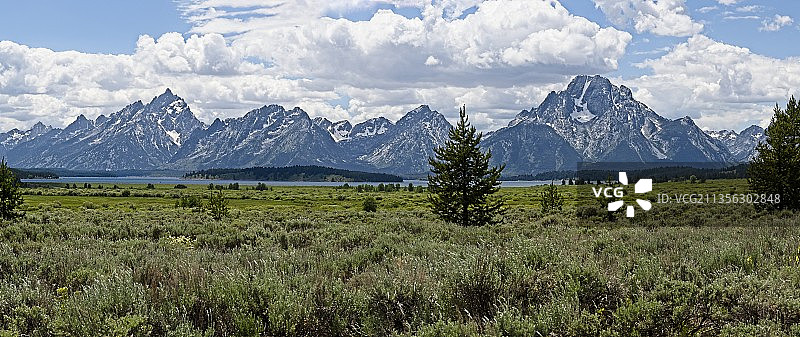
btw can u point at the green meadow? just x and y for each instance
(308, 261)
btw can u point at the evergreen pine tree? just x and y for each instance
(551, 200)
(776, 168)
(10, 196)
(462, 181)
(217, 205)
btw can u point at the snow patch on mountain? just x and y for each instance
(140, 136)
(741, 145)
(603, 122)
(175, 136)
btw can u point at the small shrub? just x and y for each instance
(217, 205)
(587, 212)
(370, 205)
(189, 201)
(551, 200)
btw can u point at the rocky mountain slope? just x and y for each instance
(403, 148)
(741, 145)
(10, 139)
(591, 120)
(603, 122)
(268, 136)
(140, 136)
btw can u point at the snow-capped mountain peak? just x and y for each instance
(741, 145)
(339, 131)
(604, 122)
(140, 136)
(724, 136)
(371, 127)
(591, 120)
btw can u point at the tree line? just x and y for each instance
(293, 173)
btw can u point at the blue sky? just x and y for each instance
(92, 26)
(671, 70)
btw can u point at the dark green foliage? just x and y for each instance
(776, 167)
(190, 201)
(150, 186)
(462, 181)
(595, 175)
(262, 187)
(293, 173)
(33, 174)
(217, 205)
(369, 205)
(551, 200)
(178, 186)
(10, 195)
(381, 188)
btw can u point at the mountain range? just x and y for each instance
(591, 120)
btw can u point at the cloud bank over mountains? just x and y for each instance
(495, 56)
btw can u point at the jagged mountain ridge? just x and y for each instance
(339, 131)
(164, 134)
(343, 131)
(592, 120)
(741, 145)
(12, 138)
(140, 136)
(268, 136)
(603, 122)
(274, 136)
(405, 147)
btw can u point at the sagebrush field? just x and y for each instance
(297, 261)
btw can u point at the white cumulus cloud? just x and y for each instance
(776, 23)
(720, 85)
(55, 87)
(502, 41)
(663, 17)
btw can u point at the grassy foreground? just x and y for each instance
(308, 262)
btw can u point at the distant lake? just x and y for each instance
(178, 180)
